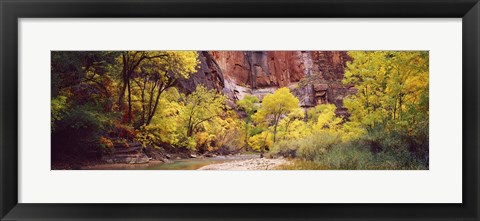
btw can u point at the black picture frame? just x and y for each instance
(11, 11)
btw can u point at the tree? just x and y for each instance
(392, 88)
(293, 121)
(261, 141)
(223, 133)
(249, 105)
(158, 71)
(81, 101)
(392, 97)
(201, 106)
(130, 61)
(274, 107)
(326, 118)
(166, 124)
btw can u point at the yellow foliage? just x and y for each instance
(327, 119)
(261, 141)
(105, 142)
(392, 88)
(274, 107)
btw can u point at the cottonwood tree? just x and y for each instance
(158, 74)
(158, 71)
(201, 106)
(392, 96)
(274, 107)
(295, 117)
(249, 105)
(392, 88)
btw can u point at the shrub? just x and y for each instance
(78, 132)
(286, 148)
(347, 157)
(380, 149)
(106, 146)
(315, 146)
(354, 156)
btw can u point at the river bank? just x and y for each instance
(191, 163)
(250, 164)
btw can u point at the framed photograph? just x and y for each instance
(227, 110)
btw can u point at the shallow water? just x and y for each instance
(193, 163)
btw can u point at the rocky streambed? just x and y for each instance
(250, 164)
(230, 162)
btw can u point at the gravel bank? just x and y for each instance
(251, 164)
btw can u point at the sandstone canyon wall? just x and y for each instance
(313, 76)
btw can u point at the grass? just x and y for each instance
(302, 165)
(322, 152)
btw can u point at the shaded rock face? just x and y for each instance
(315, 77)
(208, 73)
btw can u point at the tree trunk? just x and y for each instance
(129, 103)
(121, 97)
(143, 101)
(286, 129)
(154, 109)
(400, 106)
(247, 128)
(275, 132)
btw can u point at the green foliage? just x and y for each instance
(71, 68)
(332, 145)
(286, 148)
(58, 108)
(79, 131)
(248, 104)
(315, 146)
(104, 99)
(344, 156)
(354, 156)
(349, 157)
(81, 103)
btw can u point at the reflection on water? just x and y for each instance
(195, 163)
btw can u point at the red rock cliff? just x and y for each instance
(313, 76)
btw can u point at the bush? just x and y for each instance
(315, 146)
(309, 148)
(78, 132)
(286, 148)
(354, 156)
(380, 149)
(347, 157)
(397, 149)
(326, 151)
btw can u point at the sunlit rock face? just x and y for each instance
(259, 69)
(315, 77)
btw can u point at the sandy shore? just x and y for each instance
(251, 164)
